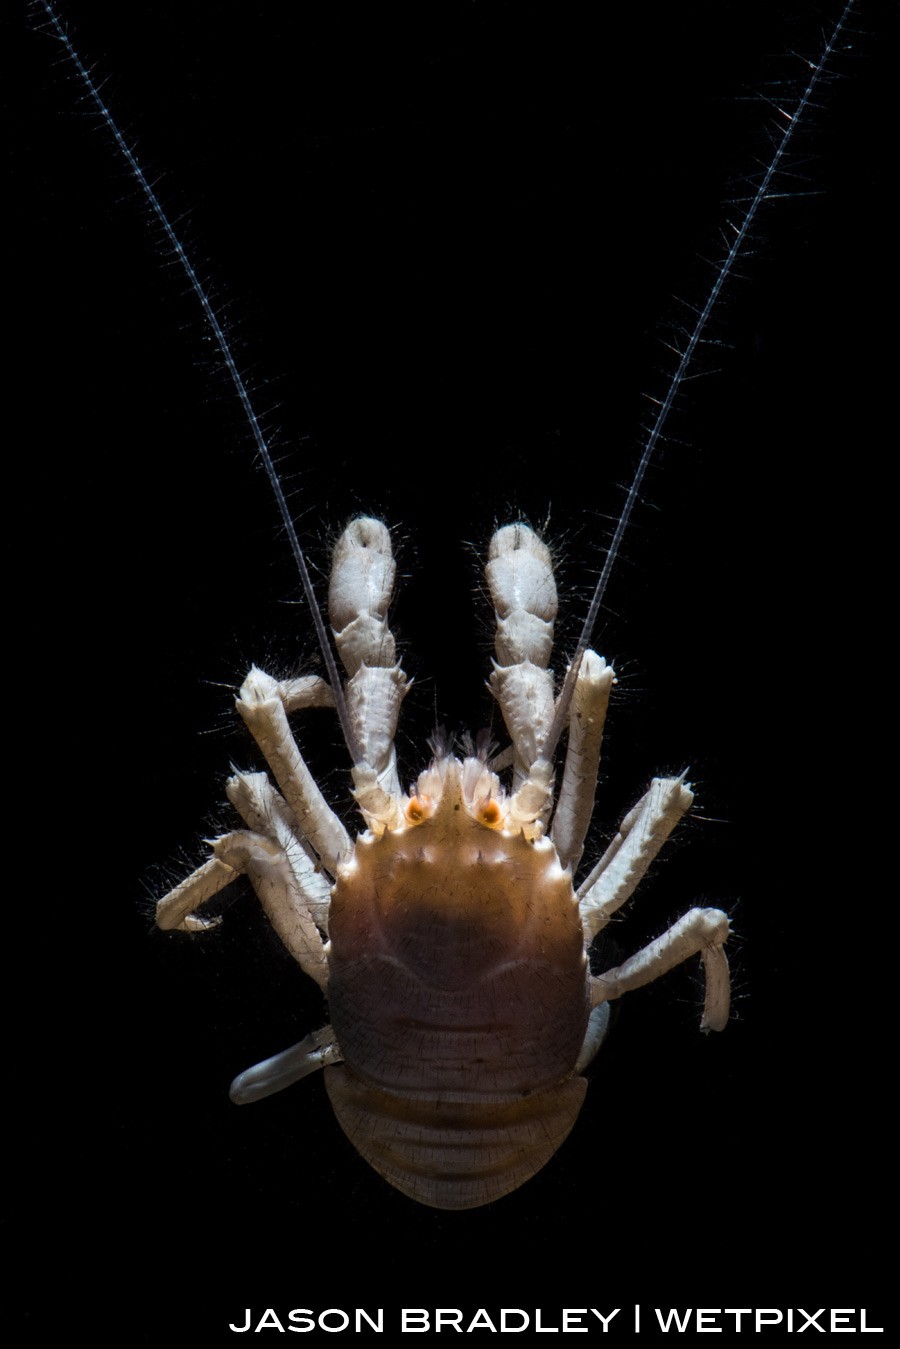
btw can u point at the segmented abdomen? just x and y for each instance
(453, 1154)
(459, 1010)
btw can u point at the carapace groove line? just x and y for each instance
(478, 466)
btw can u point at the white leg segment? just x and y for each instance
(598, 1025)
(176, 911)
(281, 866)
(362, 579)
(700, 931)
(359, 592)
(305, 691)
(520, 578)
(272, 1075)
(261, 707)
(243, 853)
(274, 882)
(267, 813)
(587, 715)
(641, 835)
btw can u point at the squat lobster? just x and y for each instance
(451, 944)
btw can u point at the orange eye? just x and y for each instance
(490, 812)
(418, 809)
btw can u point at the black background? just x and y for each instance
(450, 242)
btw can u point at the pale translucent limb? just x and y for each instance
(305, 691)
(273, 879)
(700, 931)
(641, 835)
(177, 911)
(380, 809)
(362, 579)
(267, 813)
(578, 788)
(530, 805)
(359, 592)
(272, 1075)
(520, 578)
(261, 807)
(262, 708)
(598, 1025)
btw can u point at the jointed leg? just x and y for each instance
(641, 835)
(272, 1075)
(262, 705)
(587, 714)
(702, 931)
(362, 578)
(520, 578)
(292, 891)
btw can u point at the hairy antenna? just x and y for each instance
(57, 28)
(741, 233)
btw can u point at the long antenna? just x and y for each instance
(218, 332)
(741, 232)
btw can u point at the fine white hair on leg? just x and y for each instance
(359, 592)
(700, 931)
(291, 888)
(267, 813)
(177, 911)
(243, 853)
(262, 709)
(717, 1002)
(519, 574)
(587, 715)
(362, 581)
(305, 691)
(641, 835)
